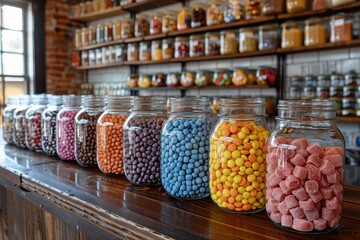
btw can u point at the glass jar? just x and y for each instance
(202, 78)
(19, 120)
(309, 92)
(172, 80)
(169, 23)
(272, 7)
(187, 79)
(142, 26)
(212, 44)
(310, 81)
(156, 50)
(156, 24)
(252, 9)
(33, 122)
(78, 38)
(237, 155)
(96, 5)
(235, 10)
(127, 29)
(65, 127)
(248, 40)
(99, 33)
(8, 122)
(297, 81)
(197, 45)
(120, 53)
(198, 16)
(320, 4)
(315, 31)
(84, 36)
(158, 80)
(336, 92)
(296, 6)
(295, 93)
(92, 57)
(335, 3)
(116, 30)
(266, 75)
(221, 77)
(305, 167)
(85, 130)
(92, 35)
(108, 32)
(229, 42)
(292, 35)
(110, 127)
(144, 81)
(341, 28)
(84, 58)
(184, 19)
(214, 13)
(133, 52)
(337, 80)
(48, 125)
(185, 148)
(168, 48)
(349, 92)
(142, 133)
(322, 92)
(240, 77)
(132, 81)
(88, 7)
(269, 37)
(181, 47)
(145, 51)
(351, 79)
(323, 81)
(98, 56)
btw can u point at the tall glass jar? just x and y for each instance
(99, 33)
(92, 35)
(116, 30)
(292, 35)
(65, 127)
(84, 36)
(184, 19)
(156, 24)
(252, 9)
(315, 31)
(133, 52)
(48, 125)
(145, 51)
(341, 28)
(19, 120)
(197, 45)
(33, 122)
(110, 128)
(305, 167)
(127, 29)
(237, 155)
(78, 36)
(214, 13)
(142, 26)
(212, 44)
(156, 50)
(8, 122)
(181, 47)
(169, 23)
(198, 16)
(85, 130)
(229, 42)
(269, 37)
(272, 7)
(234, 11)
(296, 6)
(142, 132)
(185, 148)
(168, 48)
(248, 39)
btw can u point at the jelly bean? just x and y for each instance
(240, 164)
(65, 127)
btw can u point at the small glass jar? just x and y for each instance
(96, 5)
(85, 130)
(252, 9)
(292, 35)
(110, 129)
(248, 40)
(349, 92)
(84, 58)
(235, 10)
(337, 80)
(156, 50)
(88, 7)
(116, 30)
(315, 32)
(142, 26)
(240, 119)
(142, 143)
(98, 56)
(156, 24)
(320, 4)
(65, 127)
(127, 29)
(145, 51)
(99, 33)
(78, 38)
(336, 92)
(322, 92)
(92, 35)
(305, 140)
(296, 6)
(33, 122)
(132, 81)
(184, 19)
(84, 36)
(335, 3)
(221, 77)
(197, 45)
(349, 104)
(309, 92)
(158, 80)
(266, 76)
(181, 47)
(187, 79)
(8, 122)
(48, 124)
(214, 13)
(297, 81)
(351, 79)
(92, 57)
(240, 77)
(212, 44)
(168, 48)
(120, 53)
(185, 148)
(145, 81)
(169, 23)
(19, 120)
(323, 81)
(229, 42)
(272, 7)
(202, 78)
(172, 80)
(108, 32)
(310, 81)
(341, 28)
(294, 93)
(133, 52)
(198, 16)
(269, 37)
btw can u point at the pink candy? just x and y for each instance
(297, 212)
(327, 168)
(315, 149)
(286, 220)
(311, 187)
(313, 172)
(291, 201)
(319, 224)
(300, 172)
(298, 160)
(278, 195)
(302, 225)
(307, 205)
(300, 194)
(314, 160)
(299, 143)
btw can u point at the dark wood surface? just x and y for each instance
(108, 206)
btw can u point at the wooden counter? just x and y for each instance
(45, 198)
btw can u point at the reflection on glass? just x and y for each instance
(13, 64)
(14, 86)
(12, 17)
(12, 41)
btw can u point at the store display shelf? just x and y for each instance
(200, 88)
(98, 45)
(148, 5)
(111, 12)
(108, 65)
(348, 119)
(327, 46)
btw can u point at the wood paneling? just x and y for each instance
(3, 215)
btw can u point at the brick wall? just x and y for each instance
(60, 77)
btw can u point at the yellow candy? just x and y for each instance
(235, 154)
(246, 195)
(251, 178)
(239, 162)
(237, 179)
(256, 166)
(226, 192)
(231, 163)
(227, 154)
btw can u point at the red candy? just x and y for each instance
(336, 160)
(314, 160)
(313, 172)
(327, 214)
(312, 215)
(307, 205)
(276, 217)
(300, 172)
(326, 192)
(272, 206)
(299, 143)
(291, 201)
(319, 224)
(284, 188)
(286, 220)
(302, 225)
(278, 195)
(311, 187)
(332, 203)
(292, 182)
(298, 160)
(300, 194)
(315, 149)
(327, 168)
(316, 197)
(283, 208)
(297, 212)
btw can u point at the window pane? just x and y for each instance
(12, 17)
(12, 41)
(13, 64)
(14, 86)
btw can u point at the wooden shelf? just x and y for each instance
(327, 46)
(108, 65)
(148, 5)
(200, 88)
(115, 11)
(348, 119)
(98, 45)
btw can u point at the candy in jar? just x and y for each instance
(145, 51)
(240, 78)
(199, 16)
(197, 45)
(181, 47)
(158, 80)
(248, 40)
(144, 81)
(187, 79)
(252, 9)
(169, 23)
(156, 50)
(8, 122)
(156, 24)
(229, 42)
(214, 13)
(172, 80)
(202, 78)
(142, 26)
(127, 29)
(212, 44)
(184, 19)
(272, 7)
(19, 121)
(168, 48)
(234, 11)
(132, 81)
(221, 78)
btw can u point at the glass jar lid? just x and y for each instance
(315, 21)
(292, 24)
(197, 37)
(269, 27)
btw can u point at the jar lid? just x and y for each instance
(351, 76)
(208, 34)
(337, 77)
(322, 88)
(248, 29)
(56, 100)
(291, 24)
(269, 27)
(315, 20)
(13, 100)
(149, 103)
(197, 36)
(323, 77)
(39, 99)
(310, 78)
(296, 78)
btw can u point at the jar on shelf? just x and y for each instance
(185, 176)
(212, 44)
(109, 3)
(168, 48)
(116, 30)
(335, 3)
(214, 13)
(336, 92)
(252, 9)
(142, 154)
(8, 122)
(82, 9)
(292, 35)
(341, 26)
(294, 93)
(144, 81)
(296, 6)
(322, 92)
(337, 80)
(184, 19)
(65, 127)
(351, 79)
(84, 58)
(349, 92)
(145, 51)
(104, 54)
(305, 140)
(269, 37)
(309, 92)
(84, 36)
(187, 79)
(234, 11)
(142, 26)
(132, 81)
(127, 28)
(92, 57)
(202, 78)
(310, 81)
(197, 45)
(221, 77)
(181, 47)
(85, 130)
(240, 77)
(48, 124)
(158, 80)
(99, 33)
(120, 53)
(156, 24)
(172, 80)
(33, 122)
(96, 5)
(156, 50)
(169, 23)
(110, 129)
(229, 42)
(238, 149)
(198, 16)
(133, 52)
(348, 106)
(98, 56)
(297, 81)
(92, 35)
(248, 39)
(272, 7)
(78, 38)
(323, 81)
(88, 7)
(19, 121)
(266, 76)
(315, 31)
(320, 4)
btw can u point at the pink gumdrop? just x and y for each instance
(319, 224)
(313, 172)
(327, 214)
(298, 160)
(333, 178)
(334, 151)
(271, 167)
(291, 201)
(316, 197)
(337, 188)
(323, 183)
(283, 208)
(292, 182)
(297, 212)
(286, 168)
(286, 220)
(284, 188)
(336, 160)
(326, 192)
(300, 194)
(327, 168)
(279, 140)
(303, 153)
(279, 174)
(272, 206)
(307, 205)
(314, 159)
(332, 203)
(300, 172)
(273, 180)
(276, 217)
(318, 206)
(311, 186)
(300, 143)
(315, 149)
(302, 225)
(278, 194)
(312, 215)
(334, 222)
